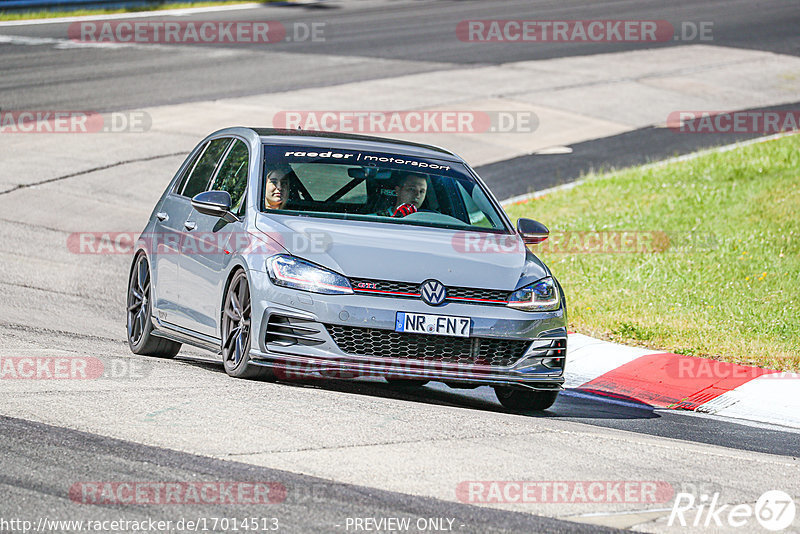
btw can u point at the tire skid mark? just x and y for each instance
(89, 171)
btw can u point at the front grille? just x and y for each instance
(472, 295)
(431, 348)
(384, 285)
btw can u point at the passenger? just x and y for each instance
(411, 193)
(276, 192)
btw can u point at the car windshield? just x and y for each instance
(390, 188)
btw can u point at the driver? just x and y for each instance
(411, 191)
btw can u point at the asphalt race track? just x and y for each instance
(360, 448)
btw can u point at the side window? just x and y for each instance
(188, 169)
(232, 175)
(201, 175)
(478, 206)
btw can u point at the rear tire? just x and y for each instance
(139, 323)
(523, 399)
(236, 314)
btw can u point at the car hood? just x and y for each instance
(405, 253)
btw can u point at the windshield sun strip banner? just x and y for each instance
(274, 154)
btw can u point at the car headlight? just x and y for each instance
(288, 271)
(539, 296)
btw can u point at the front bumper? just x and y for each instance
(292, 336)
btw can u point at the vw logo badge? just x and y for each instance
(433, 292)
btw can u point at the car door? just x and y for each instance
(210, 243)
(166, 241)
(180, 216)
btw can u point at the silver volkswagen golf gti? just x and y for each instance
(295, 254)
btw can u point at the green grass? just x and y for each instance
(49, 14)
(727, 283)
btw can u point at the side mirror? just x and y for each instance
(214, 203)
(532, 232)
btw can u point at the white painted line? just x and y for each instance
(717, 150)
(621, 512)
(60, 43)
(554, 150)
(655, 164)
(135, 15)
(766, 425)
(540, 193)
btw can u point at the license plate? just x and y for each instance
(441, 325)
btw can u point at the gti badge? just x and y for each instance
(367, 285)
(433, 292)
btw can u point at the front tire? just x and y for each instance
(525, 399)
(236, 315)
(139, 323)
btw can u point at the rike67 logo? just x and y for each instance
(774, 510)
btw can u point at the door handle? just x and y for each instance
(190, 225)
(162, 216)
